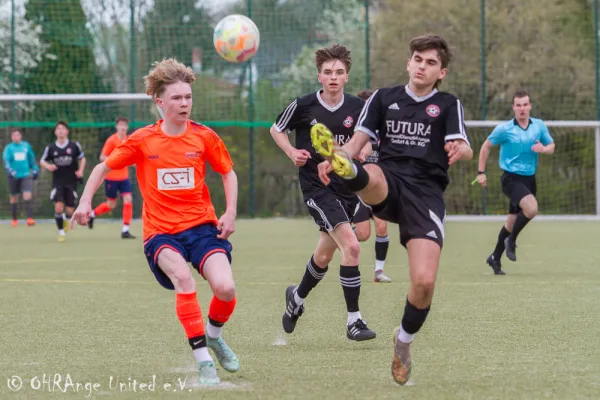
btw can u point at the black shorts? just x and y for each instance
(329, 210)
(363, 213)
(416, 204)
(515, 187)
(66, 194)
(19, 185)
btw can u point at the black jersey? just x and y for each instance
(413, 130)
(66, 157)
(304, 112)
(374, 156)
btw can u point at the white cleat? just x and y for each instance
(381, 278)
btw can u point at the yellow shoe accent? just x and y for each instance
(324, 143)
(62, 238)
(66, 225)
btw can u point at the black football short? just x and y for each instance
(363, 213)
(329, 210)
(515, 187)
(415, 204)
(66, 194)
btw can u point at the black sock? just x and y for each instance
(520, 223)
(214, 323)
(381, 247)
(413, 318)
(500, 243)
(28, 209)
(59, 221)
(360, 181)
(312, 277)
(13, 209)
(197, 342)
(350, 279)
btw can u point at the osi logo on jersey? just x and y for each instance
(175, 178)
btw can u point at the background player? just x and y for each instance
(66, 160)
(116, 182)
(331, 207)
(421, 133)
(179, 220)
(521, 141)
(363, 216)
(19, 162)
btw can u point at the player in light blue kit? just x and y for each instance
(521, 140)
(19, 162)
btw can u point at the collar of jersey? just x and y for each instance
(517, 123)
(63, 146)
(328, 107)
(417, 98)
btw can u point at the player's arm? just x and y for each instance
(547, 143)
(7, 157)
(367, 126)
(286, 122)
(31, 160)
(484, 153)
(107, 149)
(82, 161)
(45, 158)
(457, 145)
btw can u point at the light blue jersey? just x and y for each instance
(19, 159)
(515, 143)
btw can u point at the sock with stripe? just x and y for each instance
(218, 314)
(312, 277)
(190, 316)
(382, 244)
(350, 279)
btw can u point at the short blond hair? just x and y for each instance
(165, 73)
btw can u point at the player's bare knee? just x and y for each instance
(351, 251)
(362, 232)
(182, 279)
(27, 196)
(381, 228)
(224, 291)
(13, 199)
(59, 208)
(531, 209)
(127, 199)
(112, 203)
(322, 259)
(424, 283)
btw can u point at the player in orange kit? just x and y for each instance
(179, 220)
(116, 182)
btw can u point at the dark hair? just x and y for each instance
(520, 93)
(121, 119)
(13, 130)
(335, 52)
(63, 123)
(365, 93)
(432, 42)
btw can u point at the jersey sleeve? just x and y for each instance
(546, 139)
(125, 155)
(31, 158)
(498, 135)
(46, 155)
(370, 118)
(108, 147)
(7, 157)
(455, 123)
(216, 153)
(289, 117)
(80, 154)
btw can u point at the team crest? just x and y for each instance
(432, 110)
(348, 122)
(68, 151)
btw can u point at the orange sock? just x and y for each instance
(189, 314)
(102, 208)
(127, 213)
(220, 311)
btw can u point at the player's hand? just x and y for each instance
(455, 149)
(35, 174)
(79, 174)
(226, 225)
(482, 180)
(537, 147)
(13, 173)
(324, 171)
(51, 167)
(365, 152)
(81, 214)
(299, 157)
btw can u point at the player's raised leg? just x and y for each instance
(350, 279)
(217, 271)
(382, 243)
(316, 268)
(188, 310)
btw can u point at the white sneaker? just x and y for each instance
(381, 278)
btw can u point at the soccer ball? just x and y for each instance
(236, 38)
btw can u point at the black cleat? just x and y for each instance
(358, 331)
(292, 310)
(495, 264)
(127, 235)
(511, 249)
(91, 223)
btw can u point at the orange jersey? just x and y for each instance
(112, 143)
(170, 173)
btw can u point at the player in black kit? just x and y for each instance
(66, 161)
(421, 133)
(333, 206)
